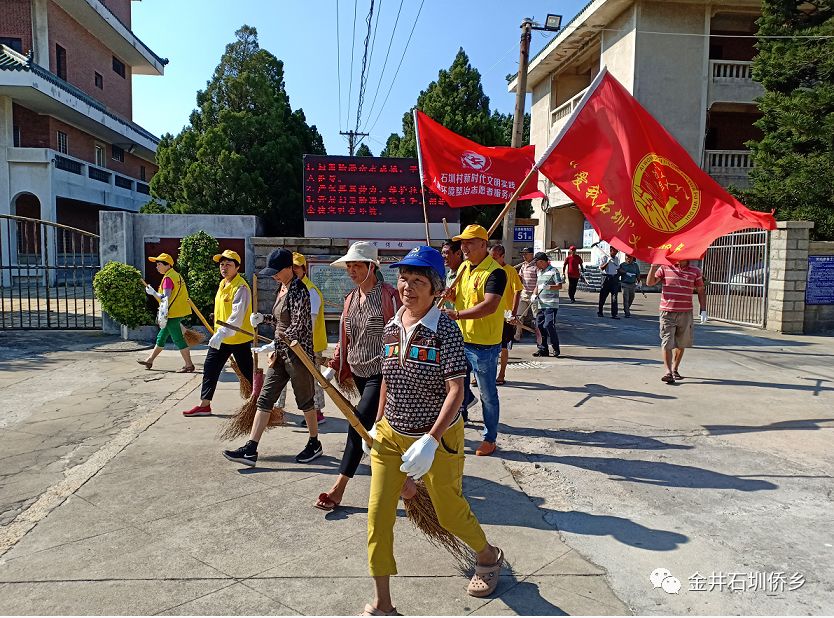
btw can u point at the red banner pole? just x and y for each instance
(422, 178)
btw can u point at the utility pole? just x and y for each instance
(518, 124)
(352, 135)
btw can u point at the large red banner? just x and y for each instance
(636, 185)
(465, 173)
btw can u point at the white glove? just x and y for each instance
(269, 347)
(418, 458)
(217, 338)
(704, 317)
(256, 319)
(151, 292)
(366, 448)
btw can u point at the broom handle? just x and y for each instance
(146, 284)
(199, 315)
(255, 305)
(344, 406)
(237, 329)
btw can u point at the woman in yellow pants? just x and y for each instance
(419, 430)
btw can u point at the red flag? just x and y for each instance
(636, 185)
(465, 173)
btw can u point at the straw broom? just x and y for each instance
(241, 423)
(245, 384)
(192, 337)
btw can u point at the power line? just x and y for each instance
(362, 75)
(338, 63)
(397, 72)
(384, 64)
(352, 45)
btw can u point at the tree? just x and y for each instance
(457, 101)
(364, 151)
(241, 152)
(504, 127)
(793, 160)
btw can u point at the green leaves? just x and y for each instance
(119, 289)
(794, 158)
(196, 264)
(242, 150)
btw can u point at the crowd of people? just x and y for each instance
(413, 351)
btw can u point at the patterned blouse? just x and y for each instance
(416, 368)
(291, 317)
(364, 326)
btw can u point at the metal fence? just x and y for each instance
(736, 273)
(46, 275)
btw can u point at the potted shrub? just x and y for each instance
(119, 290)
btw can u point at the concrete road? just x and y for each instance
(604, 474)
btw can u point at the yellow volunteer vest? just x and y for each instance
(513, 285)
(319, 332)
(223, 307)
(179, 307)
(470, 292)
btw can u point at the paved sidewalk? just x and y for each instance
(603, 474)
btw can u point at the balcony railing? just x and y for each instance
(124, 183)
(97, 174)
(566, 108)
(734, 70)
(69, 165)
(729, 161)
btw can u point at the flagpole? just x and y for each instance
(422, 179)
(513, 199)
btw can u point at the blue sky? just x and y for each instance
(192, 34)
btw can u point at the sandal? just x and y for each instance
(186, 369)
(677, 376)
(499, 382)
(668, 378)
(326, 503)
(370, 610)
(485, 580)
(147, 364)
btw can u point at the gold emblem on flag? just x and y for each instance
(664, 195)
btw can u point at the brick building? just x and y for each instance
(68, 145)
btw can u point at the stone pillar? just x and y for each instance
(788, 276)
(6, 142)
(40, 33)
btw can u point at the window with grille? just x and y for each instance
(118, 154)
(118, 67)
(61, 62)
(63, 144)
(100, 155)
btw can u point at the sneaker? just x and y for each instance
(320, 418)
(615, 317)
(599, 314)
(557, 353)
(198, 411)
(486, 448)
(311, 451)
(539, 353)
(242, 455)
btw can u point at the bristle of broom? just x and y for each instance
(193, 337)
(241, 423)
(245, 384)
(420, 512)
(348, 388)
(276, 418)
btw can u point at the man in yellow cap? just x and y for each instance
(233, 305)
(299, 267)
(479, 311)
(173, 303)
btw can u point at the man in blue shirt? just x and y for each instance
(629, 276)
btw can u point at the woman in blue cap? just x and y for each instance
(419, 429)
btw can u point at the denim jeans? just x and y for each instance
(546, 323)
(483, 359)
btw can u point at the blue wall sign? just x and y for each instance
(820, 287)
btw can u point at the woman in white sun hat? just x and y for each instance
(358, 357)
